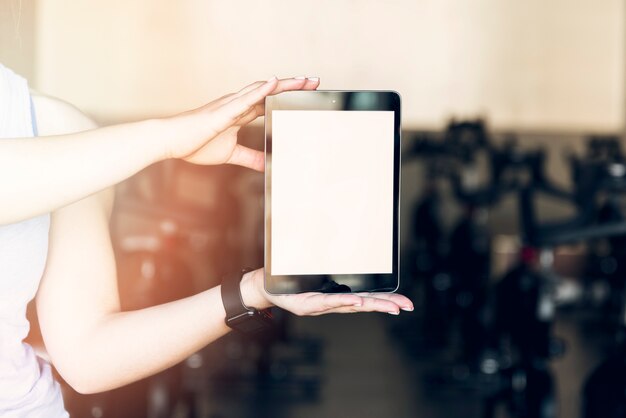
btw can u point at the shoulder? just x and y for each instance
(56, 117)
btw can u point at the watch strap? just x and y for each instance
(231, 295)
(238, 316)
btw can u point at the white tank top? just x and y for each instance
(27, 388)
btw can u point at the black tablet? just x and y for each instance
(332, 191)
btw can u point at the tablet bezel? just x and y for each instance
(362, 100)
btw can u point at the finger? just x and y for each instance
(378, 305)
(249, 87)
(250, 115)
(220, 101)
(312, 83)
(259, 109)
(291, 84)
(354, 309)
(402, 301)
(285, 84)
(227, 114)
(340, 310)
(247, 157)
(324, 301)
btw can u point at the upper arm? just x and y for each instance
(56, 117)
(79, 283)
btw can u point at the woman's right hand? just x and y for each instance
(213, 138)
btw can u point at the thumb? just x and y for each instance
(247, 157)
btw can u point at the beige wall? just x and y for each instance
(530, 65)
(17, 36)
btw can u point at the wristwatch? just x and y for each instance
(238, 316)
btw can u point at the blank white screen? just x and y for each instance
(332, 192)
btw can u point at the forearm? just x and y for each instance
(127, 346)
(40, 175)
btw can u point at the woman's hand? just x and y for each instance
(312, 303)
(220, 121)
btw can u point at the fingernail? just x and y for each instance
(300, 77)
(394, 313)
(271, 79)
(314, 78)
(408, 308)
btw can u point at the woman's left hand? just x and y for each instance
(313, 303)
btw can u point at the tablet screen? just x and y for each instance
(332, 187)
(332, 192)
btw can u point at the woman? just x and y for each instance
(56, 202)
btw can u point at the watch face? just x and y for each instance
(250, 322)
